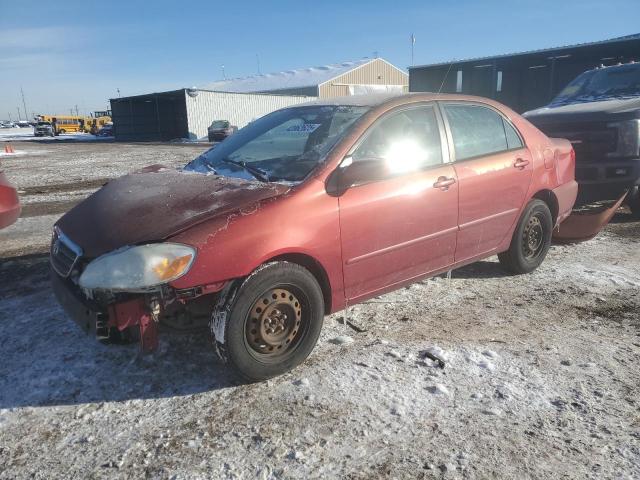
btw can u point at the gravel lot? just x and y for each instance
(541, 377)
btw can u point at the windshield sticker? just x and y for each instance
(303, 128)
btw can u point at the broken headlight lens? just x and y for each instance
(138, 268)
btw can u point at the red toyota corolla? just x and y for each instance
(9, 202)
(305, 210)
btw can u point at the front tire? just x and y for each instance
(633, 200)
(531, 239)
(269, 323)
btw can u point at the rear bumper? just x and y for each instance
(606, 180)
(217, 137)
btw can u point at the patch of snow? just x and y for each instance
(304, 77)
(341, 340)
(438, 389)
(303, 382)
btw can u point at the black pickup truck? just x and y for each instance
(599, 113)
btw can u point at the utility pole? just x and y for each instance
(9, 116)
(19, 117)
(24, 104)
(118, 90)
(413, 42)
(258, 60)
(77, 114)
(224, 75)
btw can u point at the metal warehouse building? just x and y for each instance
(524, 80)
(337, 80)
(187, 113)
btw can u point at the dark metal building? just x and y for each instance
(524, 80)
(186, 113)
(157, 116)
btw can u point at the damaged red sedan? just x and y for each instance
(304, 211)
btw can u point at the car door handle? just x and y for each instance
(443, 183)
(521, 163)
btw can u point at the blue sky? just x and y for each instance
(65, 53)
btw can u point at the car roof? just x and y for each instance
(378, 99)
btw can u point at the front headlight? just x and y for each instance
(138, 268)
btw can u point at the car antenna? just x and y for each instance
(445, 77)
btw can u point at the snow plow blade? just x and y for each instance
(586, 222)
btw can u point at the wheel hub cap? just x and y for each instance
(533, 237)
(274, 321)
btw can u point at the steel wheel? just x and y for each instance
(533, 237)
(268, 323)
(275, 323)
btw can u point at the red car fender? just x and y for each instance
(234, 246)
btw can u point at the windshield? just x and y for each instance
(602, 84)
(220, 124)
(282, 146)
(44, 124)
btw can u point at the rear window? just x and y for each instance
(220, 124)
(479, 131)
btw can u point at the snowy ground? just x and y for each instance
(26, 134)
(541, 381)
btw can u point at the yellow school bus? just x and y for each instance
(65, 123)
(73, 124)
(97, 121)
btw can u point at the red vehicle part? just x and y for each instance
(583, 225)
(9, 202)
(134, 313)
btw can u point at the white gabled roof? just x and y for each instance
(303, 77)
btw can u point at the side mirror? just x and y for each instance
(351, 174)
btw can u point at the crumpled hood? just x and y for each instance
(154, 204)
(605, 110)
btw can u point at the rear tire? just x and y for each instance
(269, 324)
(531, 239)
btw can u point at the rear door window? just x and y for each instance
(478, 131)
